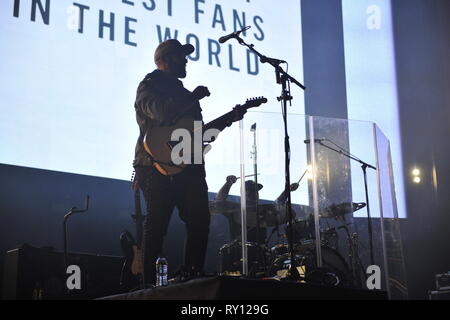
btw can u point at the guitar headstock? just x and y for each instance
(255, 102)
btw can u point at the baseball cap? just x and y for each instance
(172, 46)
(250, 184)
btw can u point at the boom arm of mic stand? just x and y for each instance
(264, 59)
(72, 211)
(364, 166)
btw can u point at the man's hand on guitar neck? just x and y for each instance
(239, 113)
(200, 92)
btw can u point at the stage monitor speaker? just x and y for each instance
(39, 274)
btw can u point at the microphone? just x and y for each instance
(265, 59)
(232, 35)
(315, 140)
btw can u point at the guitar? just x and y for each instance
(137, 265)
(159, 144)
(132, 269)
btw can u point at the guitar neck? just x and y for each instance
(138, 217)
(221, 122)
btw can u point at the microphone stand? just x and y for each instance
(364, 166)
(255, 172)
(72, 211)
(283, 78)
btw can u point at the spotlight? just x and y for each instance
(309, 172)
(416, 175)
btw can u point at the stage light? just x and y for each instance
(309, 172)
(415, 172)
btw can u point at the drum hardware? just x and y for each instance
(268, 213)
(341, 209)
(338, 212)
(231, 259)
(355, 264)
(249, 175)
(364, 165)
(334, 272)
(277, 260)
(224, 207)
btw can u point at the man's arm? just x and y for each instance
(283, 196)
(225, 190)
(166, 108)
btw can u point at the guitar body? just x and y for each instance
(137, 267)
(133, 269)
(128, 279)
(159, 144)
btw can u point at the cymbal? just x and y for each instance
(224, 207)
(270, 215)
(303, 210)
(339, 210)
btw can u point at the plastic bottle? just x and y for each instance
(161, 272)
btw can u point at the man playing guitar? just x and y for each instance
(161, 100)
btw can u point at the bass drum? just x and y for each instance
(334, 270)
(281, 260)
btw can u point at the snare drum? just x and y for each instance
(278, 250)
(334, 271)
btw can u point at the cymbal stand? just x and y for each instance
(254, 155)
(364, 166)
(353, 253)
(72, 211)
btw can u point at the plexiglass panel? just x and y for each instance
(396, 277)
(222, 164)
(344, 228)
(264, 162)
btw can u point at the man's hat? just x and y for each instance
(250, 185)
(172, 46)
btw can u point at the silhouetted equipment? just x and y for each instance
(270, 215)
(32, 273)
(71, 212)
(132, 270)
(339, 210)
(224, 207)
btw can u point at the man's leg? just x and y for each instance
(160, 204)
(194, 210)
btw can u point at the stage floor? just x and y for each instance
(233, 288)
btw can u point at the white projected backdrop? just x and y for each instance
(67, 97)
(371, 79)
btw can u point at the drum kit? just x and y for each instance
(273, 260)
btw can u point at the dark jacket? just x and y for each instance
(159, 100)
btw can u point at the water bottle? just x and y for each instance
(161, 272)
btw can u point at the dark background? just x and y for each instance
(422, 49)
(33, 202)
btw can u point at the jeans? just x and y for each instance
(188, 192)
